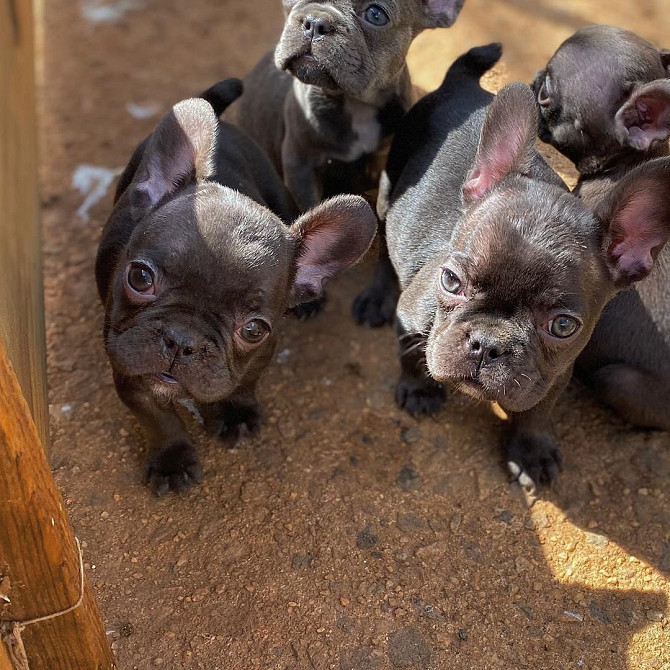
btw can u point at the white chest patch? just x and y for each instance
(366, 129)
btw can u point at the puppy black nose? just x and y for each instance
(316, 26)
(485, 350)
(177, 345)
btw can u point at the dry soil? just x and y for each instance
(347, 535)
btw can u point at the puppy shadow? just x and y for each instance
(420, 554)
(615, 478)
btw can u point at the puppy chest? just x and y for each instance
(366, 131)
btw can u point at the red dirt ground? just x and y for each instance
(347, 535)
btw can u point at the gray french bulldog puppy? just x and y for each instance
(325, 104)
(336, 85)
(196, 268)
(604, 100)
(503, 272)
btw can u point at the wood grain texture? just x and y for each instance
(38, 551)
(5, 663)
(21, 302)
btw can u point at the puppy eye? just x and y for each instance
(563, 326)
(450, 282)
(544, 94)
(254, 331)
(141, 278)
(375, 15)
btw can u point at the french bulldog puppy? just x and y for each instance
(604, 100)
(336, 85)
(503, 272)
(324, 105)
(196, 269)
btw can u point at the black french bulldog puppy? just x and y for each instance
(605, 104)
(196, 269)
(503, 272)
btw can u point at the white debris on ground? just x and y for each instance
(145, 111)
(93, 182)
(108, 11)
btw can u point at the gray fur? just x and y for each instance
(201, 211)
(608, 110)
(470, 198)
(335, 89)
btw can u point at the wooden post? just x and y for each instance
(40, 570)
(38, 551)
(5, 663)
(21, 304)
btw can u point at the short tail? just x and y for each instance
(477, 61)
(222, 94)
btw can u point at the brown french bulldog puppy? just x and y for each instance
(605, 104)
(325, 104)
(196, 271)
(503, 272)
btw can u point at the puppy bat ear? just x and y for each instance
(440, 13)
(506, 143)
(645, 117)
(333, 237)
(636, 217)
(178, 152)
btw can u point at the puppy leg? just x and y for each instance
(229, 419)
(300, 175)
(375, 306)
(417, 392)
(172, 462)
(640, 397)
(533, 457)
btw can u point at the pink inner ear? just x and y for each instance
(494, 164)
(633, 256)
(477, 185)
(639, 237)
(646, 116)
(647, 127)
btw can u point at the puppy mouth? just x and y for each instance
(307, 68)
(471, 386)
(503, 392)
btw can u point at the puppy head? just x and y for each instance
(355, 46)
(525, 277)
(207, 273)
(603, 93)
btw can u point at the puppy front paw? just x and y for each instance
(419, 395)
(173, 467)
(230, 420)
(308, 310)
(375, 306)
(533, 459)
